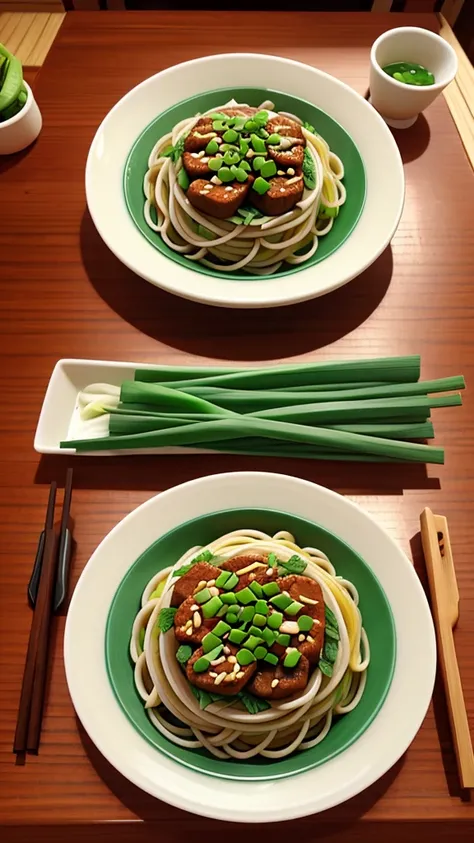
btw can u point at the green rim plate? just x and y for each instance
(337, 138)
(374, 606)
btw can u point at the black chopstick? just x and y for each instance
(65, 546)
(44, 590)
(49, 582)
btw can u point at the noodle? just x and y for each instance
(226, 245)
(224, 727)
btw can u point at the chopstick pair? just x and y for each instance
(46, 591)
(445, 605)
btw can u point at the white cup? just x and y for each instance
(23, 128)
(398, 103)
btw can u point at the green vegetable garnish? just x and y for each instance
(202, 596)
(261, 186)
(201, 664)
(230, 136)
(231, 618)
(228, 597)
(270, 589)
(292, 658)
(245, 657)
(259, 620)
(281, 601)
(305, 623)
(309, 170)
(221, 628)
(211, 608)
(293, 608)
(239, 173)
(283, 639)
(183, 179)
(258, 162)
(268, 635)
(251, 126)
(220, 125)
(166, 619)
(409, 73)
(325, 667)
(261, 606)
(222, 611)
(158, 590)
(222, 579)
(244, 165)
(260, 652)
(225, 174)
(209, 642)
(268, 169)
(175, 152)
(274, 139)
(275, 620)
(309, 128)
(231, 582)
(258, 144)
(244, 146)
(295, 565)
(212, 147)
(215, 164)
(258, 591)
(141, 638)
(253, 704)
(237, 636)
(246, 596)
(247, 613)
(271, 658)
(183, 653)
(253, 641)
(231, 158)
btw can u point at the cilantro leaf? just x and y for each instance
(205, 556)
(331, 619)
(330, 651)
(309, 128)
(204, 698)
(309, 170)
(175, 152)
(295, 565)
(249, 213)
(166, 619)
(272, 560)
(251, 703)
(183, 653)
(325, 667)
(331, 632)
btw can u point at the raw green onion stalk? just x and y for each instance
(366, 411)
(13, 93)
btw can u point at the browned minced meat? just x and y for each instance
(296, 586)
(196, 168)
(217, 202)
(284, 158)
(290, 680)
(186, 584)
(200, 135)
(283, 195)
(285, 127)
(258, 574)
(185, 614)
(207, 682)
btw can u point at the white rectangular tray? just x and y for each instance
(60, 406)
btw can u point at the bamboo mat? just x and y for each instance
(29, 35)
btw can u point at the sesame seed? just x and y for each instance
(214, 592)
(318, 623)
(229, 677)
(197, 620)
(240, 674)
(189, 631)
(226, 650)
(252, 576)
(308, 638)
(290, 627)
(194, 607)
(232, 660)
(216, 180)
(300, 637)
(291, 171)
(200, 154)
(293, 181)
(220, 660)
(218, 140)
(210, 583)
(194, 155)
(220, 678)
(280, 172)
(201, 584)
(205, 159)
(213, 674)
(228, 188)
(282, 189)
(275, 682)
(286, 593)
(188, 624)
(269, 572)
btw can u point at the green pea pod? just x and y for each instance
(12, 81)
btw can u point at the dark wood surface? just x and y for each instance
(62, 293)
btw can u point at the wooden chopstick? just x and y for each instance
(39, 620)
(445, 607)
(37, 698)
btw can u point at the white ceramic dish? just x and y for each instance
(21, 130)
(339, 779)
(398, 103)
(59, 414)
(130, 116)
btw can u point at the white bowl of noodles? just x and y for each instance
(294, 256)
(359, 746)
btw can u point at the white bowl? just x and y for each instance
(130, 116)
(398, 103)
(341, 778)
(21, 130)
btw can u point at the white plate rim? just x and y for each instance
(341, 778)
(374, 230)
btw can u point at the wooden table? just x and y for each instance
(63, 294)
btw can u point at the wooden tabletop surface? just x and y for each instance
(63, 294)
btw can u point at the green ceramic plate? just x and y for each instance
(337, 138)
(376, 614)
